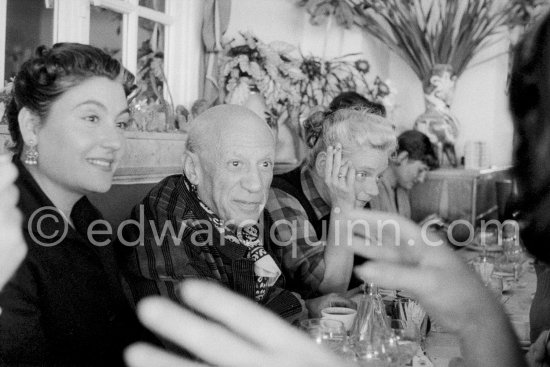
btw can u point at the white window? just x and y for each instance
(127, 29)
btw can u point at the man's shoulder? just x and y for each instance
(281, 201)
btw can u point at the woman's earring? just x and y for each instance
(31, 156)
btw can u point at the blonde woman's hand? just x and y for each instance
(12, 245)
(340, 179)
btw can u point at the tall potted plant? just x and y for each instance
(437, 39)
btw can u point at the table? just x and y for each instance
(442, 346)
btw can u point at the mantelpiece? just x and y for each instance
(149, 156)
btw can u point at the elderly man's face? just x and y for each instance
(237, 175)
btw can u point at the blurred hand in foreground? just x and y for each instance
(12, 246)
(239, 333)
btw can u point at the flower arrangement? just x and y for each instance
(269, 69)
(325, 79)
(424, 33)
(321, 10)
(5, 99)
(293, 84)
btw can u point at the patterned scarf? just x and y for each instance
(266, 271)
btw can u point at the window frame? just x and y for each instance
(183, 50)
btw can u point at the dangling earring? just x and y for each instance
(31, 156)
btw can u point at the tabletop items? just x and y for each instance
(383, 331)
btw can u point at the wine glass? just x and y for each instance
(484, 266)
(513, 251)
(404, 342)
(327, 332)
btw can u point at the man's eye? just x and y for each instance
(122, 124)
(235, 163)
(267, 164)
(378, 178)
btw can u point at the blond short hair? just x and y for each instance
(354, 128)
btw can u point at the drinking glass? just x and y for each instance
(513, 253)
(404, 342)
(327, 332)
(484, 266)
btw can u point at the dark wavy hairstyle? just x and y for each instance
(312, 126)
(418, 146)
(354, 99)
(529, 96)
(50, 73)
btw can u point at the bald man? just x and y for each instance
(210, 222)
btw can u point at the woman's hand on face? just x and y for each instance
(244, 333)
(12, 245)
(340, 179)
(403, 256)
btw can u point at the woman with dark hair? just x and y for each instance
(65, 305)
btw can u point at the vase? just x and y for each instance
(437, 122)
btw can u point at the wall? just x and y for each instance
(480, 101)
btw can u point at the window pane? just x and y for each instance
(106, 31)
(29, 25)
(157, 5)
(150, 64)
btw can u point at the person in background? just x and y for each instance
(215, 209)
(12, 245)
(415, 156)
(350, 151)
(64, 306)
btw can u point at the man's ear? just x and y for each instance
(402, 158)
(320, 162)
(29, 124)
(191, 167)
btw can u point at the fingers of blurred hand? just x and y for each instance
(394, 276)
(239, 314)
(538, 351)
(196, 334)
(8, 173)
(12, 245)
(144, 355)
(9, 196)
